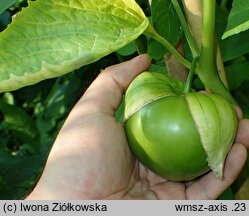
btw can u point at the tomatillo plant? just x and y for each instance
(176, 132)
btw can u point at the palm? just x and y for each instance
(102, 168)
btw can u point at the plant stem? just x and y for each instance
(207, 69)
(151, 32)
(208, 36)
(188, 83)
(192, 44)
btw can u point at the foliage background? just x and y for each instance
(31, 117)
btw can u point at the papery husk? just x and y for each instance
(216, 122)
(148, 87)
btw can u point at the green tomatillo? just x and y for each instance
(178, 136)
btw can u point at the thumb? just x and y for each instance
(105, 93)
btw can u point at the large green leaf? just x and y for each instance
(51, 38)
(238, 19)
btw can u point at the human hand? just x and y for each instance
(90, 158)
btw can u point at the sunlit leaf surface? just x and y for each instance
(51, 38)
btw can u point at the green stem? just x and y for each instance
(207, 57)
(190, 39)
(151, 32)
(188, 83)
(207, 69)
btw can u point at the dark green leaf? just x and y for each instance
(227, 194)
(166, 23)
(5, 4)
(21, 169)
(221, 19)
(19, 122)
(238, 19)
(161, 68)
(5, 19)
(241, 96)
(237, 73)
(128, 49)
(234, 46)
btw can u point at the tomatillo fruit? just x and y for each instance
(178, 136)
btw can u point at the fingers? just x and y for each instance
(243, 128)
(243, 132)
(239, 112)
(209, 186)
(169, 190)
(106, 91)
